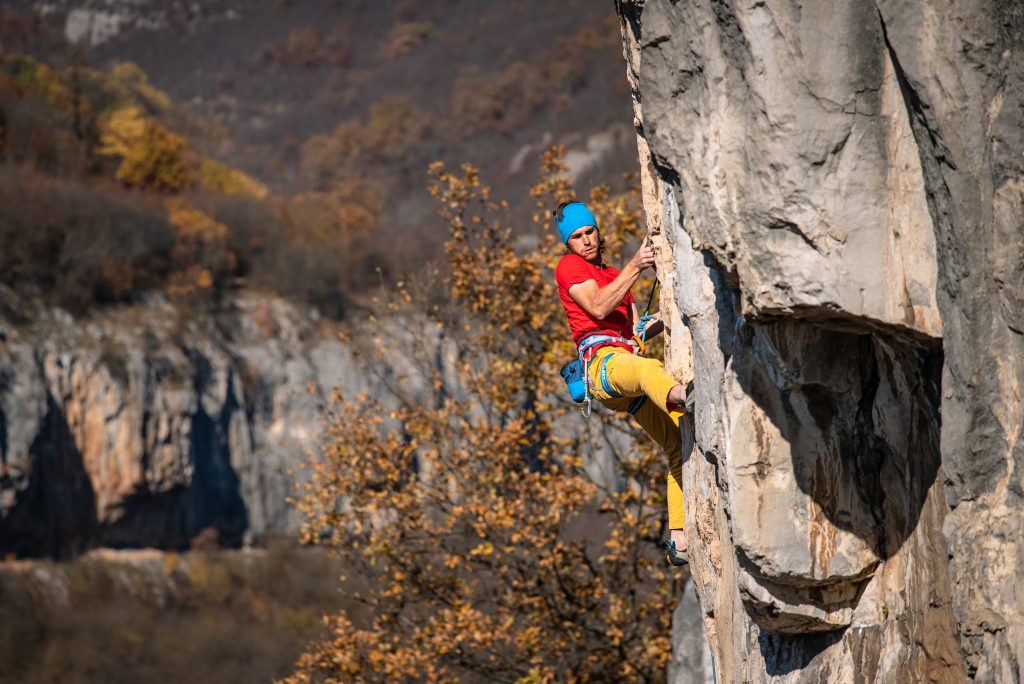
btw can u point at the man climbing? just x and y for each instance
(602, 314)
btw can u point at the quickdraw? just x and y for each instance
(641, 326)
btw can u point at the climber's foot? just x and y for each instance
(677, 548)
(674, 556)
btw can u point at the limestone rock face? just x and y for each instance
(139, 429)
(94, 22)
(691, 657)
(836, 194)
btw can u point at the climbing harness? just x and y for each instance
(587, 344)
(576, 378)
(575, 373)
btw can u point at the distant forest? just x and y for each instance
(280, 146)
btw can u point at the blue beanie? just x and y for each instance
(573, 217)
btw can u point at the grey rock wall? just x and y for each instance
(835, 191)
(140, 428)
(691, 657)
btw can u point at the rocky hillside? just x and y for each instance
(837, 192)
(329, 112)
(144, 426)
(275, 82)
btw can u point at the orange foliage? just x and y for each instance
(155, 159)
(500, 103)
(394, 130)
(467, 517)
(202, 255)
(343, 219)
(506, 101)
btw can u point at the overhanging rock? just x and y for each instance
(835, 195)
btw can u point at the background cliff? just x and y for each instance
(837, 194)
(139, 430)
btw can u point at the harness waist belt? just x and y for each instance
(592, 342)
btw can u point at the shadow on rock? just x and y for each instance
(56, 515)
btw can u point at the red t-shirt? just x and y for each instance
(573, 269)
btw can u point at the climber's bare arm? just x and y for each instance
(599, 302)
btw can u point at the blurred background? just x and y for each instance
(291, 124)
(211, 214)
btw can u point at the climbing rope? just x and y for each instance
(641, 326)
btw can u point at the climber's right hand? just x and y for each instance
(644, 257)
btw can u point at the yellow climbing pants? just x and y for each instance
(630, 376)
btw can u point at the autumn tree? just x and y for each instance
(202, 255)
(151, 156)
(474, 538)
(226, 180)
(394, 130)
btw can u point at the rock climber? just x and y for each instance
(600, 306)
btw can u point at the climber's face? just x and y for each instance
(586, 242)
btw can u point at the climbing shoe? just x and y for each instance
(674, 556)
